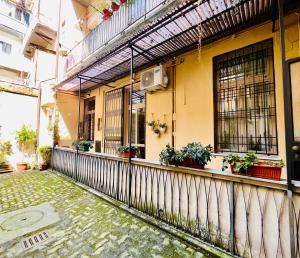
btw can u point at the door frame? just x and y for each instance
(289, 121)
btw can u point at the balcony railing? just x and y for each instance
(246, 216)
(127, 16)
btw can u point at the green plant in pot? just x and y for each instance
(5, 150)
(127, 151)
(45, 153)
(196, 156)
(26, 140)
(239, 164)
(169, 156)
(82, 145)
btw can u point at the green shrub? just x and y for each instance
(45, 153)
(26, 139)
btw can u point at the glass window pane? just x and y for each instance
(295, 84)
(245, 92)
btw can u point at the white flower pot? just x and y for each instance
(163, 129)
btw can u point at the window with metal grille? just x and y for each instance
(245, 106)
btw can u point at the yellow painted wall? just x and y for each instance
(67, 106)
(193, 88)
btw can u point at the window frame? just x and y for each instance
(216, 100)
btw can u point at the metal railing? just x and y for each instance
(128, 15)
(245, 216)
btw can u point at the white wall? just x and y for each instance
(16, 110)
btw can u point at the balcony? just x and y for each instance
(123, 23)
(42, 30)
(12, 25)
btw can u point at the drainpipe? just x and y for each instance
(287, 120)
(57, 47)
(130, 126)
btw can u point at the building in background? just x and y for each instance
(18, 96)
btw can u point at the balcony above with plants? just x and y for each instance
(117, 18)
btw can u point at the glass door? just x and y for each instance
(138, 121)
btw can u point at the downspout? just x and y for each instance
(130, 127)
(287, 121)
(57, 47)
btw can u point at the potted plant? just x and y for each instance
(240, 164)
(26, 139)
(82, 145)
(162, 127)
(169, 156)
(151, 124)
(231, 160)
(267, 169)
(5, 150)
(156, 132)
(45, 153)
(126, 152)
(196, 156)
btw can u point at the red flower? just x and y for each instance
(115, 7)
(106, 14)
(123, 1)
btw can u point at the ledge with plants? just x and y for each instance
(194, 155)
(249, 165)
(126, 151)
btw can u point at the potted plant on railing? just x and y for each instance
(45, 153)
(126, 151)
(26, 139)
(196, 156)
(267, 169)
(239, 164)
(248, 164)
(82, 145)
(169, 156)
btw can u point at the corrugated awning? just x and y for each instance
(173, 33)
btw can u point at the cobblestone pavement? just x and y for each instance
(88, 226)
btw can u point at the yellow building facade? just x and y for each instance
(187, 105)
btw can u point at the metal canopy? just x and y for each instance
(172, 34)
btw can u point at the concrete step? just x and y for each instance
(3, 171)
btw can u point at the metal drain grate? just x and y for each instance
(35, 239)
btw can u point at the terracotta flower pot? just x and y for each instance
(43, 166)
(22, 166)
(241, 172)
(265, 171)
(114, 6)
(128, 154)
(188, 162)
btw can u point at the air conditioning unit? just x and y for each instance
(154, 79)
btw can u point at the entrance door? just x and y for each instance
(294, 145)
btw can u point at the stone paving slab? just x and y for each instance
(88, 226)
